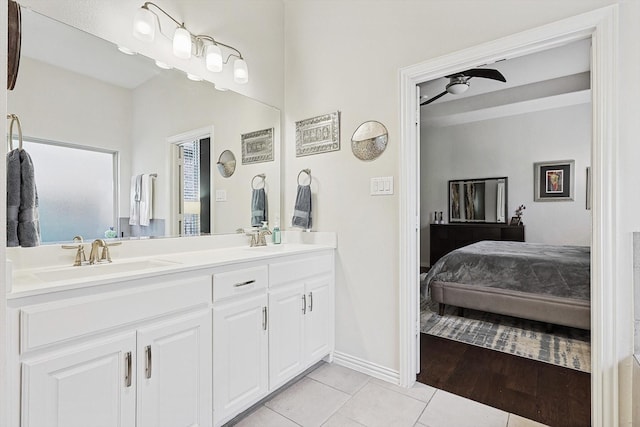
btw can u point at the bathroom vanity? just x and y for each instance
(181, 338)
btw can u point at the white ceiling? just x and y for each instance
(553, 78)
(61, 45)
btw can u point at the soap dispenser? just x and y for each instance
(276, 232)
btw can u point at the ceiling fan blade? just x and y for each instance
(487, 73)
(429, 101)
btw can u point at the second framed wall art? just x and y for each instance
(554, 181)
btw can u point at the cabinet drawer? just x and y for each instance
(239, 282)
(49, 323)
(288, 271)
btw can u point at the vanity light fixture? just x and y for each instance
(186, 43)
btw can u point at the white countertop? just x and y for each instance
(35, 281)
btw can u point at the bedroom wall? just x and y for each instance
(508, 147)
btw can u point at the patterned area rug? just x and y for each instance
(563, 346)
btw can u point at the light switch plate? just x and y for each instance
(381, 186)
(221, 195)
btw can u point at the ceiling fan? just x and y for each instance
(459, 82)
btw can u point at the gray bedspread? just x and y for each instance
(562, 271)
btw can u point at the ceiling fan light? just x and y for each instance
(213, 58)
(456, 88)
(182, 43)
(240, 71)
(144, 25)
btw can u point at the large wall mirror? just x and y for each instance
(77, 91)
(478, 200)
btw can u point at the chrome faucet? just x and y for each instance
(258, 237)
(105, 256)
(93, 255)
(80, 255)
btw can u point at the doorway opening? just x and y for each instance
(607, 323)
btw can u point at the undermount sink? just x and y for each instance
(70, 273)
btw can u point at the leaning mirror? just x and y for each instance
(478, 200)
(76, 92)
(369, 140)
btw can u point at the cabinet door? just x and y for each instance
(90, 385)
(287, 306)
(174, 372)
(318, 319)
(240, 358)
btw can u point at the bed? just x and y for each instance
(528, 280)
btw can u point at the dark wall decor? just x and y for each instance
(553, 181)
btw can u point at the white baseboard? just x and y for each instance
(366, 367)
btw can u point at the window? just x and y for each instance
(76, 189)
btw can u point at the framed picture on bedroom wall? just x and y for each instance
(553, 181)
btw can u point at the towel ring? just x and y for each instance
(308, 172)
(260, 175)
(14, 119)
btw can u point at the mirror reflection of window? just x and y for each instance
(71, 182)
(195, 186)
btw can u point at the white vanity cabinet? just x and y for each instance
(89, 385)
(240, 340)
(138, 356)
(301, 311)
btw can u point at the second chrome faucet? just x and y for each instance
(94, 255)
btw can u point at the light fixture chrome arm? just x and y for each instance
(201, 37)
(186, 43)
(149, 3)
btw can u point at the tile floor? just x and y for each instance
(335, 396)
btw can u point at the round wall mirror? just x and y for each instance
(369, 140)
(226, 163)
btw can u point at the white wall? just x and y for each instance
(508, 147)
(170, 105)
(346, 56)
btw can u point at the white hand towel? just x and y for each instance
(134, 208)
(146, 199)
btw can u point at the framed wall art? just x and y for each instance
(554, 181)
(317, 135)
(257, 147)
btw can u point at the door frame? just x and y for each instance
(608, 324)
(174, 182)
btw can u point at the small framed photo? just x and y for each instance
(515, 220)
(553, 181)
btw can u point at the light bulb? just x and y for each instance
(126, 50)
(240, 71)
(182, 43)
(144, 25)
(163, 65)
(214, 58)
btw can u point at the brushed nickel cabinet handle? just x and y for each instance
(265, 320)
(148, 367)
(304, 303)
(310, 301)
(127, 369)
(248, 282)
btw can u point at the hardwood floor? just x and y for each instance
(546, 393)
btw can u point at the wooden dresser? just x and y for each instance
(447, 237)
